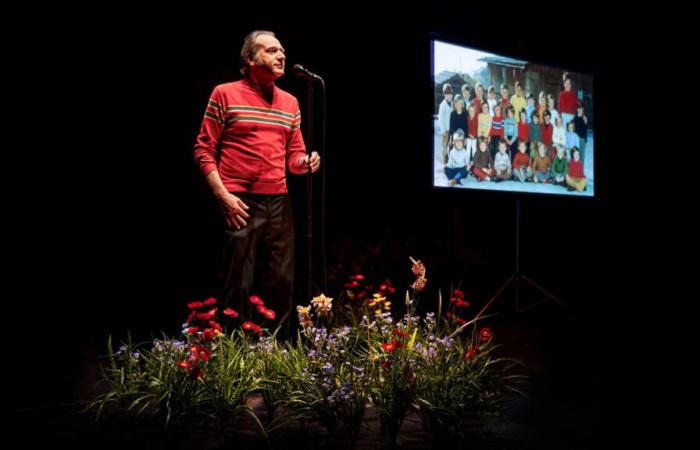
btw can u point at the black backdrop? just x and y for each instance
(119, 228)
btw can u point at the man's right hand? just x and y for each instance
(234, 210)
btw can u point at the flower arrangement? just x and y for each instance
(349, 354)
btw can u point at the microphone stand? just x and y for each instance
(309, 191)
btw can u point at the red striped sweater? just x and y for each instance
(250, 141)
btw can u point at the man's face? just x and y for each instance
(270, 57)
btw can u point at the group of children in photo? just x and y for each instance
(511, 138)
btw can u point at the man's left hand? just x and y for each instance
(314, 161)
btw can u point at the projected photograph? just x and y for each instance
(506, 124)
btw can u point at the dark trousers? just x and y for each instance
(262, 252)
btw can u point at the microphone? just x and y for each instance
(302, 71)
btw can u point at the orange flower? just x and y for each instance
(418, 269)
(419, 284)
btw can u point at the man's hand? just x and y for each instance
(314, 162)
(234, 210)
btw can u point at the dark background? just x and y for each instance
(119, 230)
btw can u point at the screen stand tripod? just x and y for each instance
(517, 279)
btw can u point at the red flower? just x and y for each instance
(208, 334)
(461, 303)
(461, 321)
(197, 373)
(400, 333)
(231, 313)
(250, 326)
(192, 330)
(386, 364)
(352, 285)
(184, 364)
(485, 334)
(215, 325)
(387, 287)
(391, 346)
(362, 295)
(254, 299)
(207, 315)
(358, 277)
(459, 294)
(471, 353)
(261, 309)
(270, 314)
(201, 353)
(210, 301)
(195, 305)
(191, 317)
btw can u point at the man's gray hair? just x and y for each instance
(250, 48)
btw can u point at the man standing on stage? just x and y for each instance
(249, 134)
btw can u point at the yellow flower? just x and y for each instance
(322, 304)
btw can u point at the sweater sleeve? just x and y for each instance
(296, 149)
(207, 144)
